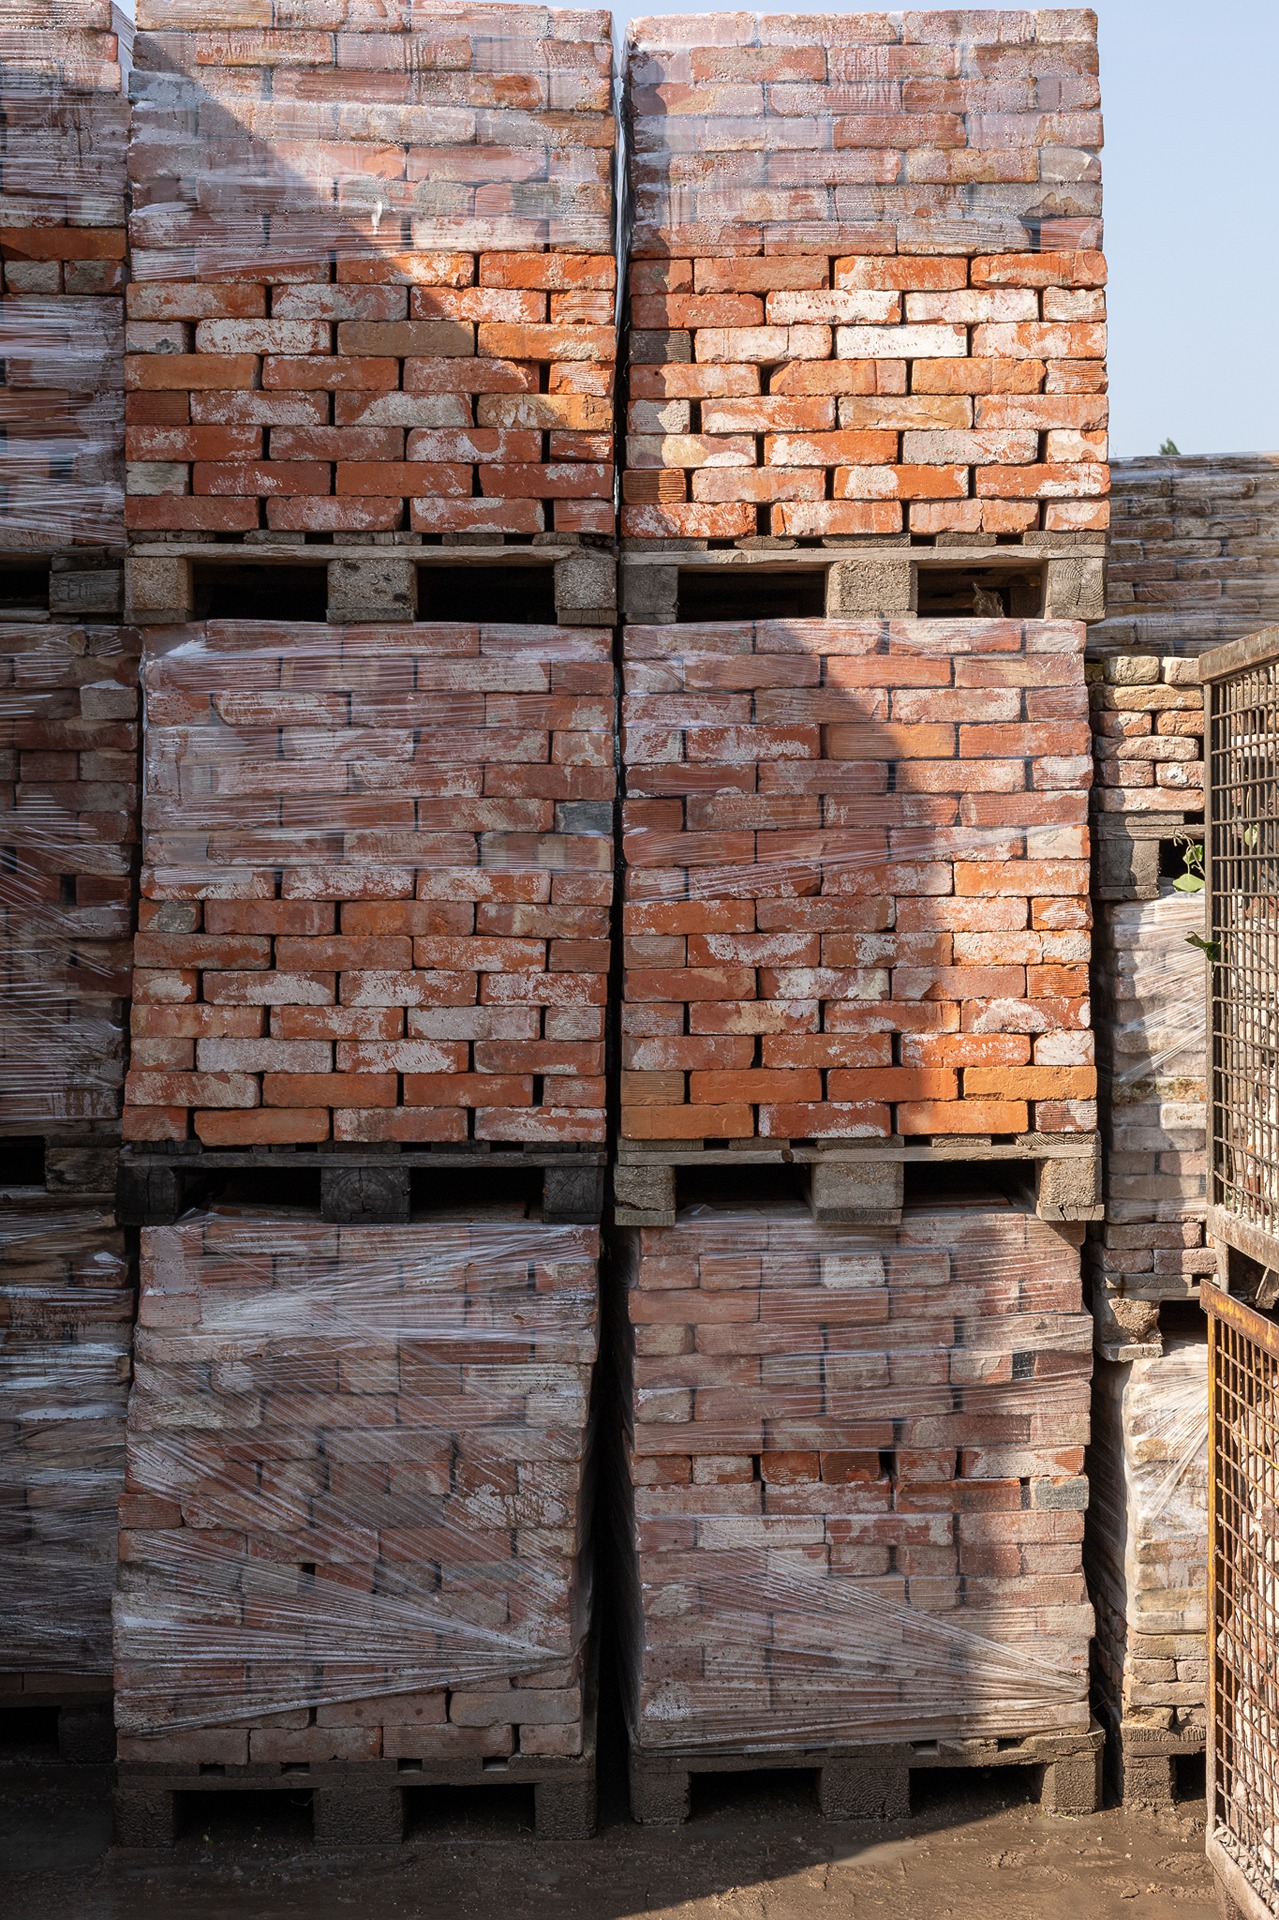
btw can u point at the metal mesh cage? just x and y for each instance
(1243, 1803)
(1243, 875)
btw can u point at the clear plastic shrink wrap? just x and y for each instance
(853, 1503)
(374, 272)
(66, 1321)
(872, 243)
(377, 870)
(62, 245)
(856, 879)
(68, 842)
(355, 1517)
(1194, 551)
(1148, 1536)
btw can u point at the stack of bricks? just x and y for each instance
(373, 285)
(69, 829)
(354, 1519)
(1151, 1021)
(377, 870)
(1148, 1557)
(857, 880)
(1194, 551)
(62, 247)
(66, 1323)
(866, 296)
(854, 1468)
(1148, 782)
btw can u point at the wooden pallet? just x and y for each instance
(873, 1783)
(354, 1184)
(371, 579)
(64, 1163)
(860, 1183)
(1044, 576)
(1132, 850)
(1144, 1764)
(360, 1803)
(82, 1704)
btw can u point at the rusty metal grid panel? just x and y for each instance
(1243, 876)
(1243, 1778)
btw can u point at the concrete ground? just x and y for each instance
(755, 1850)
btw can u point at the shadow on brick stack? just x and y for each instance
(354, 1531)
(852, 1502)
(371, 339)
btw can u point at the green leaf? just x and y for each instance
(1188, 883)
(1211, 947)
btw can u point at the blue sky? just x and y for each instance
(1192, 218)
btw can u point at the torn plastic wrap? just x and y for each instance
(66, 1319)
(62, 243)
(852, 1499)
(1194, 551)
(1148, 1536)
(866, 256)
(377, 872)
(856, 880)
(68, 843)
(356, 1515)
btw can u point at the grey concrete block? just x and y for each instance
(381, 586)
(862, 587)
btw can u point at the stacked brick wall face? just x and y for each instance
(376, 885)
(1148, 1537)
(66, 1325)
(867, 295)
(62, 247)
(69, 831)
(353, 1522)
(857, 880)
(373, 279)
(1193, 551)
(854, 1461)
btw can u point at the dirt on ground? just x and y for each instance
(756, 1849)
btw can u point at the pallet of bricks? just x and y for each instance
(371, 342)
(1170, 590)
(68, 845)
(863, 519)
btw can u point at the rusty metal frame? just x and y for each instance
(1241, 825)
(1243, 1380)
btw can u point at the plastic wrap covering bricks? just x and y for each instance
(68, 842)
(377, 871)
(1148, 792)
(853, 1485)
(1147, 1552)
(355, 1520)
(856, 880)
(1151, 1013)
(374, 280)
(867, 291)
(66, 1324)
(1194, 551)
(62, 246)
